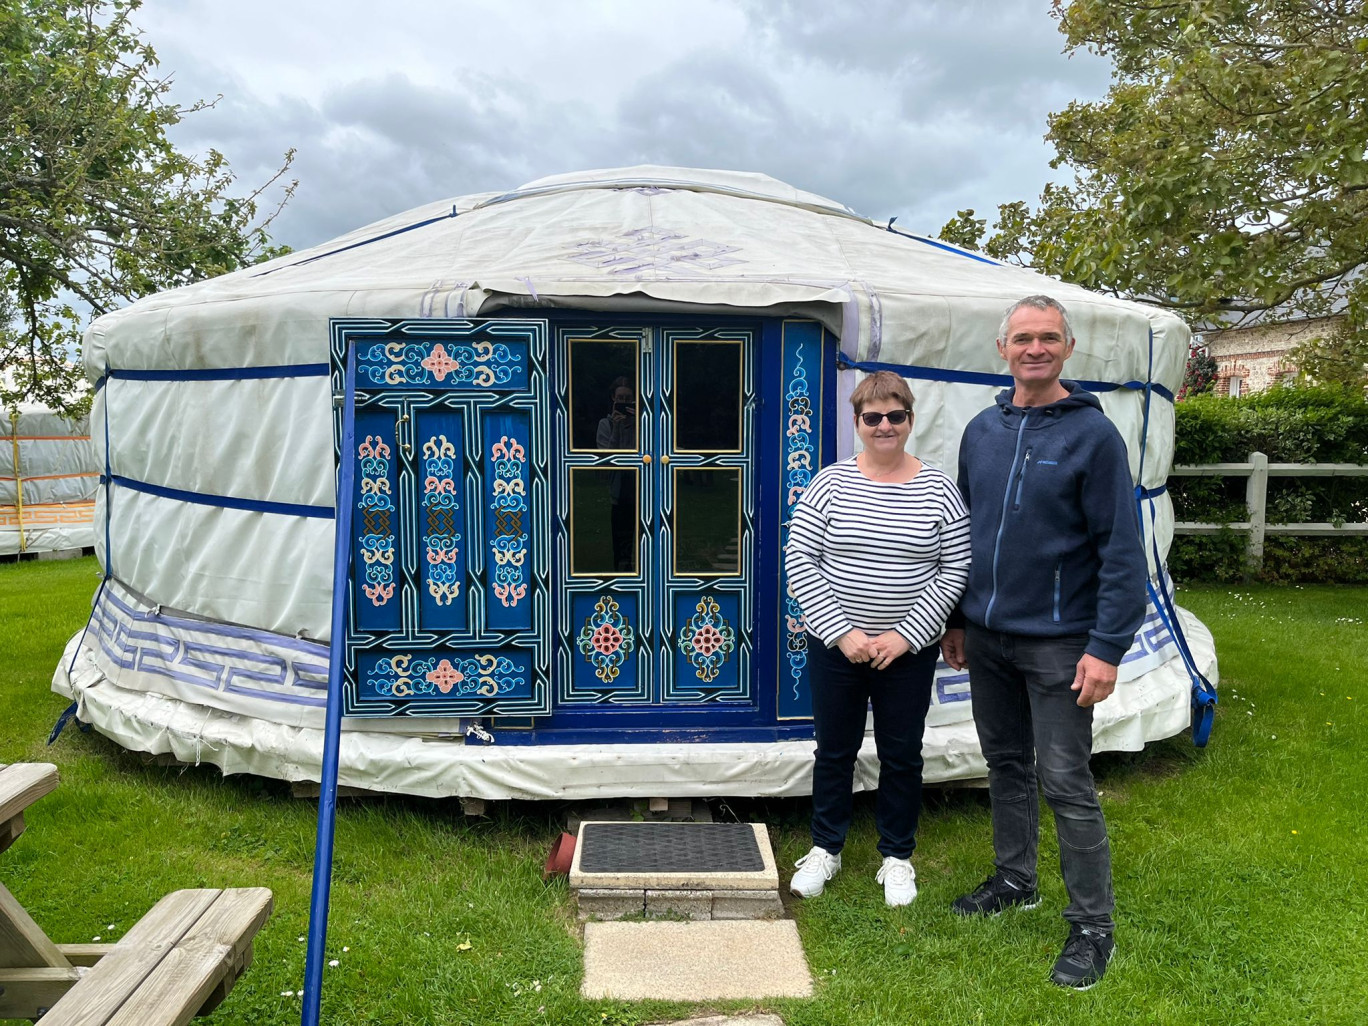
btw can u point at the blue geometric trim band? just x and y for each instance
(289, 509)
(844, 362)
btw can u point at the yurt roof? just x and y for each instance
(619, 239)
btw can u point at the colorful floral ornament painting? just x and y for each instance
(508, 546)
(441, 501)
(606, 639)
(402, 676)
(377, 509)
(706, 639)
(471, 365)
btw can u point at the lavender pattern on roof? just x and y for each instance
(652, 250)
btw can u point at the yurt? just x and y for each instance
(542, 599)
(48, 479)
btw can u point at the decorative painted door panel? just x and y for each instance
(653, 522)
(450, 605)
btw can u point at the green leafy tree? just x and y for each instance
(97, 207)
(1226, 170)
(1340, 358)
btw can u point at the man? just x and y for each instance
(1056, 594)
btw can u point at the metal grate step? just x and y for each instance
(669, 848)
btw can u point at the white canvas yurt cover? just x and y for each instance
(48, 480)
(209, 637)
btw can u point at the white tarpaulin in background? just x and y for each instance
(211, 639)
(48, 478)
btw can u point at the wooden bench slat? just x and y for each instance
(211, 953)
(185, 953)
(23, 783)
(110, 981)
(23, 944)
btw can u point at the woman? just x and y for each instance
(878, 555)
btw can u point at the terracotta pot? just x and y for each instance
(561, 855)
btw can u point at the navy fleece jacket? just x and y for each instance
(1056, 539)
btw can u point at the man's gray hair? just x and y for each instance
(1036, 303)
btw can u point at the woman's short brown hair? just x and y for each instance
(878, 387)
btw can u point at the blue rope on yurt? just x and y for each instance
(291, 370)
(291, 509)
(364, 242)
(332, 734)
(1203, 694)
(940, 245)
(961, 377)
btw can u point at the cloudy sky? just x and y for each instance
(907, 108)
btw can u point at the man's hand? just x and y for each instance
(952, 649)
(855, 645)
(1094, 681)
(887, 647)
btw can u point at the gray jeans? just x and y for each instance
(1031, 727)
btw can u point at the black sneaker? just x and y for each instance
(1084, 959)
(993, 896)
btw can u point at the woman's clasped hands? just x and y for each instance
(878, 651)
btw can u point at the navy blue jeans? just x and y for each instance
(842, 693)
(1035, 736)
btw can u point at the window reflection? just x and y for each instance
(707, 396)
(707, 521)
(603, 395)
(603, 521)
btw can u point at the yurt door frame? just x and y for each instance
(654, 433)
(486, 589)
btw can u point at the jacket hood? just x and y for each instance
(1078, 396)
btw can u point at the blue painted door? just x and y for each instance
(449, 611)
(654, 434)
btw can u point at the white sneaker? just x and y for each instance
(814, 870)
(899, 880)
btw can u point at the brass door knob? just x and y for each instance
(665, 459)
(646, 457)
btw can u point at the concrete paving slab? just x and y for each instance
(699, 961)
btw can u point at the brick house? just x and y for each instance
(1254, 354)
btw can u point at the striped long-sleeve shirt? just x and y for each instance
(878, 556)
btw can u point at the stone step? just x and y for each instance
(661, 870)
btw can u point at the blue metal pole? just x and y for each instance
(332, 736)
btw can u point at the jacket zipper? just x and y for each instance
(1002, 524)
(1021, 479)
(1059, 567)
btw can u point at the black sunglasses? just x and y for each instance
(895, 417)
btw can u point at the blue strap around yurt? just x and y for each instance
(963, 377)
(1203, 693)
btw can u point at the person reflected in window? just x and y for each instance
(618, 430)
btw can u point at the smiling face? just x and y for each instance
(1036, 347)
(883, 439)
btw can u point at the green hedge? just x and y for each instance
(1289, 425)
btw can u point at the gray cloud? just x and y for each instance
(913, 110)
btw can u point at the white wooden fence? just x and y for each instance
(1259, 470)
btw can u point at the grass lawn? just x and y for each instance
(1240, 869)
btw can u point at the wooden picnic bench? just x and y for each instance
(178, 961)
